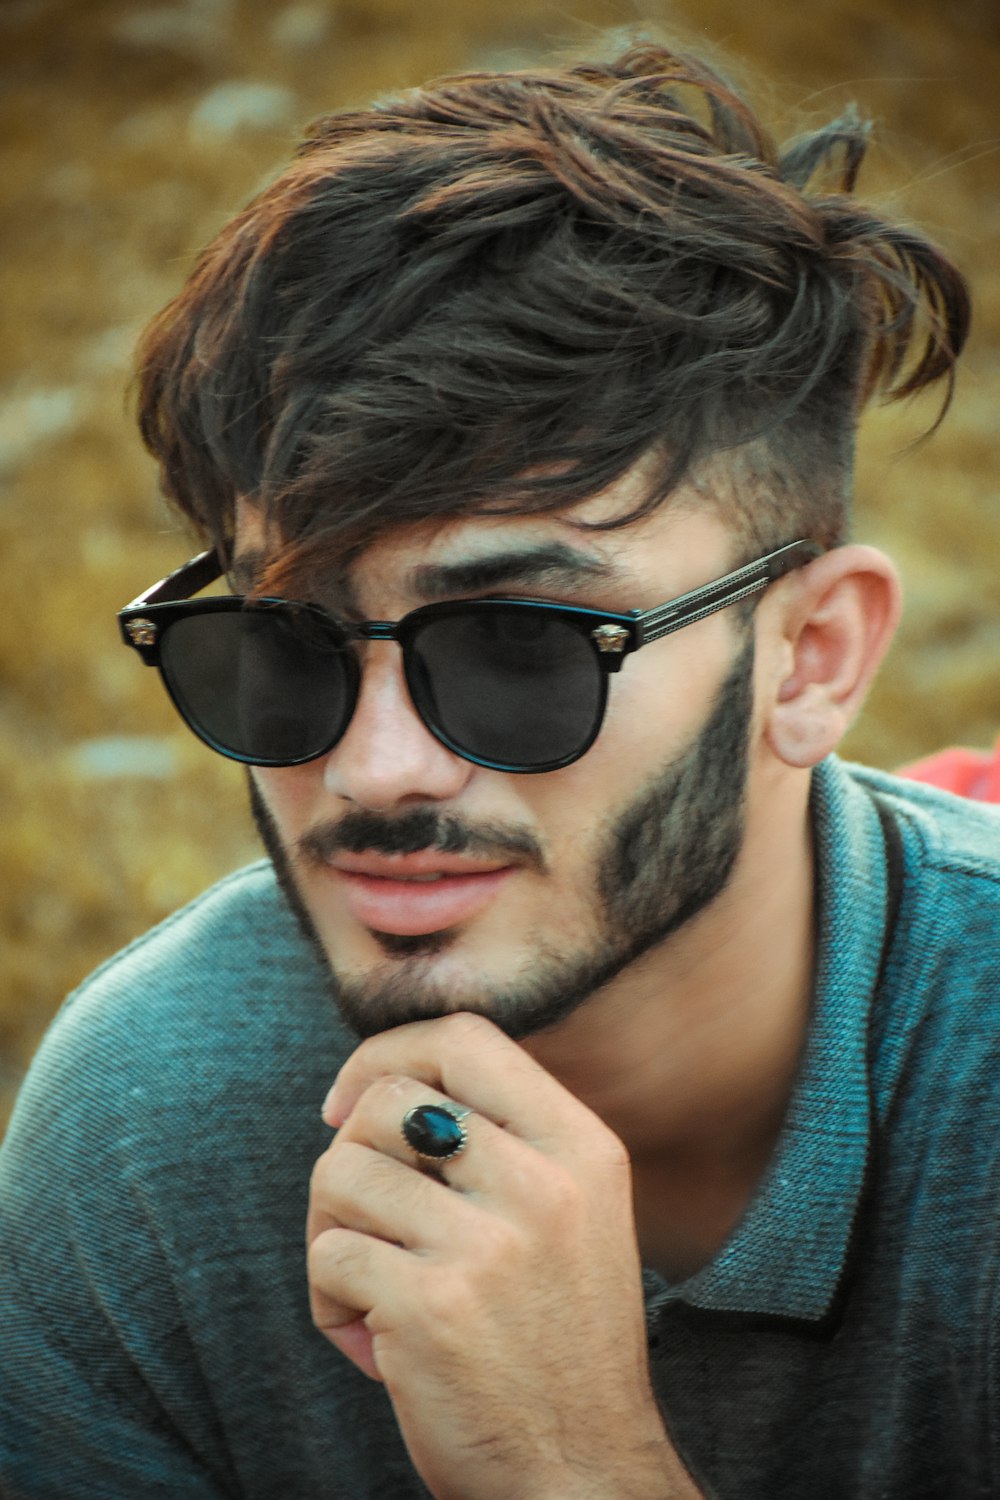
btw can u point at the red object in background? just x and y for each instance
(970, 773)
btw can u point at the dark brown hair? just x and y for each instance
(500, 291)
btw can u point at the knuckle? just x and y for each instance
(498, 1243)
(614, 1152)
(463, 1028)
(323, 1168)
(599, 1145)
(447, 1307)
(385, 1088)
(326, 1256)
(562, 1197)
(381, 1099)
(337, 1167)
(551, 1194)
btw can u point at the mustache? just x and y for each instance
(413, 832)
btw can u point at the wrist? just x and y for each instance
(655, 1473)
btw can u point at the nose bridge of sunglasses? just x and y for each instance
(611, 640)
(376, 630)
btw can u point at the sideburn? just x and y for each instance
(685, 832)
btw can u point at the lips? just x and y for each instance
(415, 894)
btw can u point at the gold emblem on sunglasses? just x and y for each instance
(141, 632)
(610, 637)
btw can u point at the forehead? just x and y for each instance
(569, 552)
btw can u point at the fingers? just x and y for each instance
(400, 1249)
(445, 1054)
(355, 1341)
(347, 1275)
(374, 1181)
(358, 1186)
(378, 1118)
(490, 1205)
(467, 1059)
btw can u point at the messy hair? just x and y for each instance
(497, 293)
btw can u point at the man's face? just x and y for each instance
(431, 884)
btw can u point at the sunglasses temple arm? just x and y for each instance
(183, 581)
(704, 601)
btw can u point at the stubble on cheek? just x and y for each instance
(654, 866)
(672, 850)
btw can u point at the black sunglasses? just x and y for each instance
(511, 684)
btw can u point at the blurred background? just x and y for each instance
(130, 132)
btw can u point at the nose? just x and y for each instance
(387, 756)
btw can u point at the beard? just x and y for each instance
(659, 863)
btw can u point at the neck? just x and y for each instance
(691, 1055)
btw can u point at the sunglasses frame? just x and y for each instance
(612, 635)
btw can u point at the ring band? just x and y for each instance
(436, 1131)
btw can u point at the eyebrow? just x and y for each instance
(553, 564)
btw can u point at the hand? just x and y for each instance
(498, 1298)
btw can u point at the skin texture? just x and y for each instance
(388, 765)
(466, 1263)
(660, 861)
(500, 1302)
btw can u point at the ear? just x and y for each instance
(835, 623)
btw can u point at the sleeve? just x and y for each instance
(101, 1394)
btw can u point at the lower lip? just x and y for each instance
(414, 908)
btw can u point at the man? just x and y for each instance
(667, 1165)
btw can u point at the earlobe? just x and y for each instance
(837, 620)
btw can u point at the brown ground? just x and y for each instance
(123, 151)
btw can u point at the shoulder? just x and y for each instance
(941, 853)
(943, 834)
(221, 968)
(951, 827)
(154, 1183)
(232, 926)
(934, 1054)
(219, 1023)
(935, 1025)
(949, 916)
(935, 1041)
(945, 942)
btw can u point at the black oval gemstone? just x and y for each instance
(433, 1131)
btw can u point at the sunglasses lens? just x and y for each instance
(515, 687)
(262, 685)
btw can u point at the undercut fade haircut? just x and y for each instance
(497, 293)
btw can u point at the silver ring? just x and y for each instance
(436, 1131)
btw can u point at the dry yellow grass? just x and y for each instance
(121, 157)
